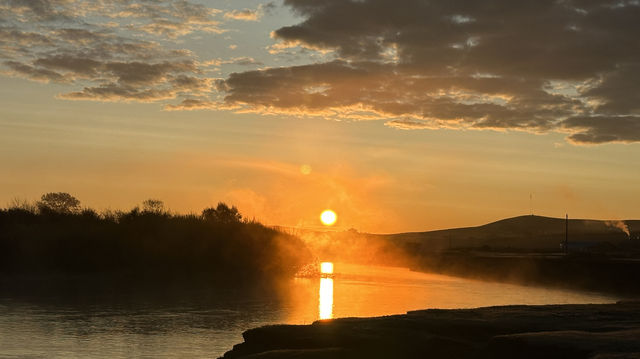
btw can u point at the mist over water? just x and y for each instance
(88, 320)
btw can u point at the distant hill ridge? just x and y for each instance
(523, 232)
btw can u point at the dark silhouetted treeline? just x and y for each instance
(56, 236)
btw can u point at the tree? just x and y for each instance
(153, 206)
(59, 202)
(222, 214)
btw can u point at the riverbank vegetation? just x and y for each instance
(57, 236)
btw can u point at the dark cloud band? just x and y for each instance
(570, 66)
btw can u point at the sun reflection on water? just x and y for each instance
(326, 267)
(325, 308)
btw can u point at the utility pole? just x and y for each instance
(566, 233)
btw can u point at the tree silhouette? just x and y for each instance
(222, 214)
(58, 202)
(217, 245)
(153, 206)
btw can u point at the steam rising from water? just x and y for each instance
(353, 247)
(620, 225)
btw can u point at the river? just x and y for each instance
(78, 321)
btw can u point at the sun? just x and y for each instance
(328, 217)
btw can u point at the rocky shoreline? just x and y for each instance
(599, 331)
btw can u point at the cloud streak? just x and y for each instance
(250, 14)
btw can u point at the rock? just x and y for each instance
(554, 331)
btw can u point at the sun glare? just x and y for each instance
(328, 217)
(325, 305)
(326, 268)
(305, 169)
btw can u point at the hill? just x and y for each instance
(521, 234)
(534, 233)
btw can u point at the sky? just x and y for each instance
(398, 115)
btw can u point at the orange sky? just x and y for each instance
(409, 132)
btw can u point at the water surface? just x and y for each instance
(79, 320)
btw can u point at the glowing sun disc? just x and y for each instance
(328, 217)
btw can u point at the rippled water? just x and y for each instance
(79, 320)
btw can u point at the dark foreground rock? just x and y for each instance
(598, 331)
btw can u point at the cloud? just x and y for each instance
(570, 66)
(112, 92)
(535, 66)
(191, 84)
(602, 129)
(193, 104)
(250, 14)
(141, 73)
(245, 61)
(408, 124)
(12, 36)
(245, 15)
(171, 18)
(384, 90)
(617, 91)
(242, 61)
(80, 66)
(34, 73)
(110, 50)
